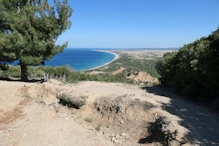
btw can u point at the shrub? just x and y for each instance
(98, 127)
(12, 71)
(70, 101)
(88, 120)
(63, 74)
(193, 70)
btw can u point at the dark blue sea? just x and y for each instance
(80, 59)
(85, 59)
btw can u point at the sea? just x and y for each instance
(80, 59)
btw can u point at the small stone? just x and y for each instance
(123, 134)
(116, 141)
(121, 122)
(113, 139)
(101, 132)
(174, 143)
(117, 136)
(10, 129)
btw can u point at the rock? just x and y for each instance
(136, 73)
(123, 134)
(174, 143)
(117, 136)
(101, 132)
(10, 129)
(116, 141)
(215, 104)
(113, 135)
(61, 115)
(187, 144)
(121, 122)
(113, 139)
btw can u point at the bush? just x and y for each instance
(193, 70)
(98, 127)
(68, 100)
(12, 71)
(62, 73)
(88, 120)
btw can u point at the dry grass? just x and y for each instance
(70, 101)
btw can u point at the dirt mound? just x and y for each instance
(142, 77)
(122, 106)
(120, 114)
(133, 118)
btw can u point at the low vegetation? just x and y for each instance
(61, 73)
(70, 101)
(88, 120)
(145, 64)
(193, 70)
(98, 127)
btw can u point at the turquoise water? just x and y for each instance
(85, 59)
(80, 59)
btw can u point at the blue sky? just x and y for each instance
(139, 23)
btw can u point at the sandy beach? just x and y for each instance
(116, 57)
(135, 54)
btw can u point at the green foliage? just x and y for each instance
(75, 102)
(64, 74)
(12, 71)
(98, 127)
(135, 64)
(194, 68)
(29, 29)
(88, 120)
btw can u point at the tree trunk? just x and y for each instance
(23, 72)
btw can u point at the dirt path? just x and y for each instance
(202, 123)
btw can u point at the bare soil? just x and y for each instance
(114, 114)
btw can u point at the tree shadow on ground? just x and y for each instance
(201, 122)
(18, 80)
(157, 132)
(155, 136)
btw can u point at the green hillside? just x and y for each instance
(194, 69)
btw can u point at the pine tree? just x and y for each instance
(29, 30)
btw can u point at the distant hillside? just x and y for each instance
(194, 69)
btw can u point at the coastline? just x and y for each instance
(115, 54)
